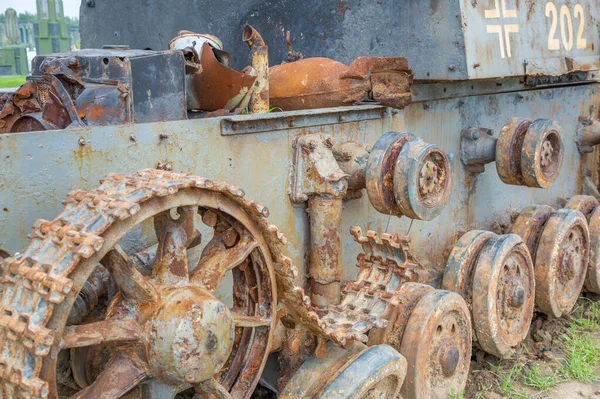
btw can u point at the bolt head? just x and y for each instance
(449, 361)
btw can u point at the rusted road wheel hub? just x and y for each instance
(588, 205)
(560, 241)
(495, 275)
(529, 153)
(190, 337)
(433, 332)
(407, 176)
(358, 372)
(164, 330)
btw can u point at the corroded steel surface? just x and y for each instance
(495, 275)
(405, 176)
(436, 343)
(561, 262)
(503, 295)
(45, 165)
(322, 82)
(357, 372)
(259, 55)
(40, 286)
(96, 88)
(325, 271)
(585, 204)
(592, 280)
(529, 225)
(559, 242)
(529, 153)
(212, 86)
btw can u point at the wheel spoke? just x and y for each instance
(174, 236)
(211, 389)
(241, 320)
(131, 283)
(220, 255)
(155, 389)
(118, 377)
(110, 330)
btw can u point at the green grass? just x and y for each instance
(588, 320)
(481, 392)
(11, 81)
(460, 395)
(508, 381)
(538, 379)
(582, 355)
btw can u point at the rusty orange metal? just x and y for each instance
(322, 82)
(213, 86)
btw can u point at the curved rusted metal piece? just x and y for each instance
(508, 150)
(259, 53)
(380, 171)
(561, 262)
(358, 372)
(462, 262)
(529, 153)
(422, 180)
(585, 204)
(406, 176)
(495, 276)
(436, 343)
(542, 153)
(214, 86)
(592, 280)
(503, 295)
(529, 225)
(321, 82)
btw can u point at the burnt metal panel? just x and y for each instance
(158, 87)
(428, 32)
(443, 40)
(124, 85)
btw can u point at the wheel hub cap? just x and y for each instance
(190, 336)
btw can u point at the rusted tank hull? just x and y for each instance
(44, 166)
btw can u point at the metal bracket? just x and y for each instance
(315, 170)
(588, 135)
(477, 148)
(245, 124)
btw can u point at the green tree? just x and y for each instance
(26, 17)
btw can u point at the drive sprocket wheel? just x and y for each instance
(167, 331)
(436, 342)
(495, 275)
(561, 262)
(359, 372)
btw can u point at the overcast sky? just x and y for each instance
(71, 7)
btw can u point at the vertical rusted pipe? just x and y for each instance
(259, 102)
(325, 267)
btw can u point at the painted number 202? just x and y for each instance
(566, 26)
